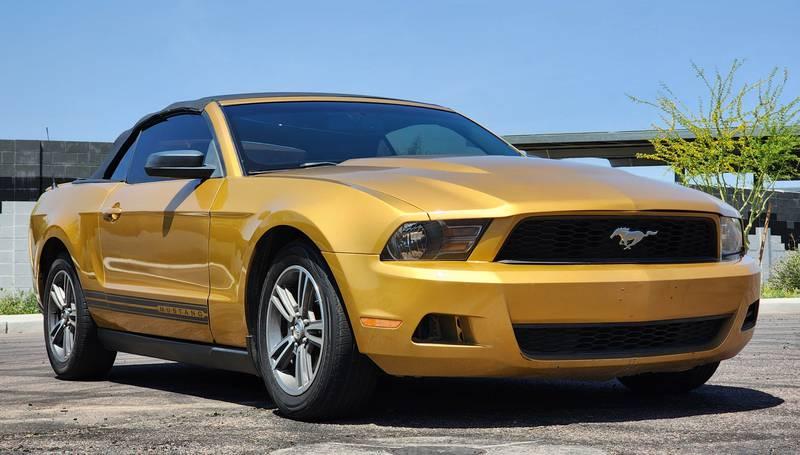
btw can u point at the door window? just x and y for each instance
(122, 166)
(180, 132)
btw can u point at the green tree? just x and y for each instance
(736, 143)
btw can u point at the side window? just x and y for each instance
(425, 139)
(180, 132)
(122, 166)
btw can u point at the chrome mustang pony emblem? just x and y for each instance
(628, 238)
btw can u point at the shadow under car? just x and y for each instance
(465, 403)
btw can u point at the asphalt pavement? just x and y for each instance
(752, 405)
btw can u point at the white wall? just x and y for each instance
(774, 252)
(15, 264)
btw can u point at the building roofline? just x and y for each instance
(632, 137)
(591, 137)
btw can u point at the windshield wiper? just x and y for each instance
(299, 166)
(317, 163)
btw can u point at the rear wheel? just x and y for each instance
(69, 331)
(308, 356)
(670, 382)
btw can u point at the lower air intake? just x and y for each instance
(614, 340)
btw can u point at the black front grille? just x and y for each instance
(588, 239)
(592, 341)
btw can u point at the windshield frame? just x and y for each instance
(239, 153)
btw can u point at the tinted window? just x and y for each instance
(430, 140)
(285, 135)
(122, 167)
(181, 132)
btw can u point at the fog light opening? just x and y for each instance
(751, 316)
(443, 329)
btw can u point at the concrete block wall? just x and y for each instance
(774, 252)
(21, 174)
(24, 170)
(785, 218)
(15, 264)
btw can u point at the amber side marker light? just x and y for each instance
(380, 323)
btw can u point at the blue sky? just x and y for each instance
(88, 70)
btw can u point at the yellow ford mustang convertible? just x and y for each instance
(318, 239)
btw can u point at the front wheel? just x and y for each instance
(308, 356)
(670, 382)
(69, 330)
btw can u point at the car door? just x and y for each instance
(154, 239)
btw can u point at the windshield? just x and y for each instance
(286, 135)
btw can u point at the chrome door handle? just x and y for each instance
(112, 214)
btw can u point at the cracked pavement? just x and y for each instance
(751, 405)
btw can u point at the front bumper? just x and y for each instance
(494, 296)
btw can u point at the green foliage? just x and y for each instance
(785, 274)
(769, 292)
(19, 302)
(736, 143)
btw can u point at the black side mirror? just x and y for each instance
(179, 164)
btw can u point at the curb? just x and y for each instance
(779, 306)
(32, 323)
(20, 323)
(795, 300)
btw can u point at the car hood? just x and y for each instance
(504, 185)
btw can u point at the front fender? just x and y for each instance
(69, 214)
(336, 217)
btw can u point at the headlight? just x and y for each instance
(731, 239)
(434, 240)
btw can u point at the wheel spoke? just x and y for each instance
(291, 302)
(67, 294)
(314, 325)
(276, 302)
(308, 288)
(308, 368)
(301, 289)
(303, 368)
(299, 366)
(62, 296)
(313, 339)
(74, 302)
(284, 351)
(57, 296)
(287, 300)
(68, 339)
(57, 329)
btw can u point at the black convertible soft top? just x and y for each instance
(195, 106)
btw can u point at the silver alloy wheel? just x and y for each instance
(62, 316)
(295, 329)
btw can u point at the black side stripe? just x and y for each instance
(142, 312)
(153, 303)
(161, 309)
(140, 300)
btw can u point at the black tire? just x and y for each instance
(87, 359)
(670, 382)
(345, 378)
